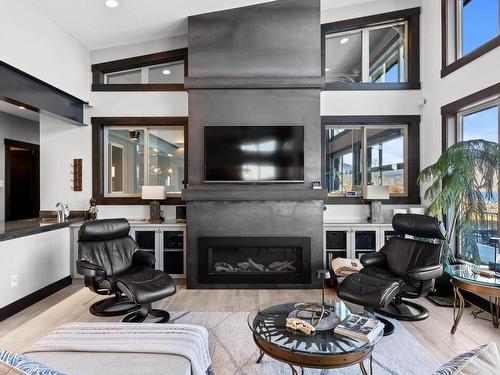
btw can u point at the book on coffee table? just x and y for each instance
(359, 327)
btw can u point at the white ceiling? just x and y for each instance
(16, 111)
(96, 26)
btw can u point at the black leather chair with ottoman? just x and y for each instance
(402, 268)
(113, 264)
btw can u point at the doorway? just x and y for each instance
(22, 180)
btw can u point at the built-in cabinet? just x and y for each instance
(353, 240)
(165, 241)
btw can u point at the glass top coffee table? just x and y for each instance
(322, 349)
(468, 277)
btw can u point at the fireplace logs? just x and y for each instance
(251, 266)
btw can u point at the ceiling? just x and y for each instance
(96, 26)
(16, 111)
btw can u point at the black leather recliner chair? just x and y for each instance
(113, 264)
(403, 268)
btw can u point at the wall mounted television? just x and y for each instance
(254, 154)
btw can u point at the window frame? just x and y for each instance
(412, 162)
(98, 151)
(451, 115)
(412, 18)
(451, 39)
(99, 71)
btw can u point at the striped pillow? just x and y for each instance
(14, 364)
(483, 360)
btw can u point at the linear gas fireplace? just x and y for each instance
(254, 260)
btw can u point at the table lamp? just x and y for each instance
(376, 193)
(153, 194)
(323, 275)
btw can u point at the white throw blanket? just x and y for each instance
(344, 267)
(186, 340)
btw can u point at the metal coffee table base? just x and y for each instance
(459, 303)
(300, 360)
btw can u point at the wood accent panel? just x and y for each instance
(412, 16)
(77, 174)
(413, 123)
(98, 124)
(446, 68)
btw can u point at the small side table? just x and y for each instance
(463, 278)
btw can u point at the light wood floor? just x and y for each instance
(71, 305)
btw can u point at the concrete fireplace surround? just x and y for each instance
(257, 65)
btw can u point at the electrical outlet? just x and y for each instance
(14, 280)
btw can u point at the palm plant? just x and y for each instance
(461, 181)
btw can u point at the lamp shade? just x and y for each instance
(153, 192)
(376, 192)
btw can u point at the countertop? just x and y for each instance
(139, 222)
(27, 227)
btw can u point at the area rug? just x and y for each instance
(233, 351)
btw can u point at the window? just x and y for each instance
(470, 29)
(371, 152)
(366, 155)
(133, 152)
(139, 156)
(372, 52)
(163, 71)
(482, 122)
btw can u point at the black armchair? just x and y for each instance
(112, 264)
(403, 268)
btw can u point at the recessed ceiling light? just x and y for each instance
(344, 40)
(111, 3)
(327, 69)
(170, 155)
(21, 107)
(166, 72)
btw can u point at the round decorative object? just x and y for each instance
(322, 319)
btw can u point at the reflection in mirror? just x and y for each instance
(344, 159)
(385, 158)
(360, 155)
(19, 163)
(143, 156)
(387, 54)
(343, 57)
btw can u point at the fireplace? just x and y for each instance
(254, 260)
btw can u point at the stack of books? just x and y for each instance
(360, 327)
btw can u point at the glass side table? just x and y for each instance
(467, 277)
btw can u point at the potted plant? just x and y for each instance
(461, 184)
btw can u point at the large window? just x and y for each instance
(163, 71)
(471, 28)
(371, 152)
(482, 122)
(134, 152)
(138, 156)
(372, 52)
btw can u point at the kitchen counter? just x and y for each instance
(138, 222)
(27, 227)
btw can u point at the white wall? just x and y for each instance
(38, 260)
(138, 49)
(19, 129)
(32, 43)
(467, 80)
(60, 143)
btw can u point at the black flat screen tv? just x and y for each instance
(254, 154)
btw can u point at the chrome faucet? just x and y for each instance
(60, 212)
